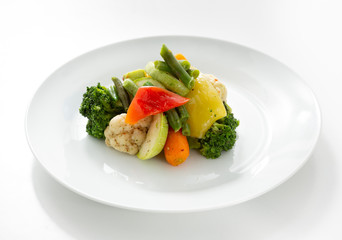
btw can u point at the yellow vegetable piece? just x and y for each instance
(204, 107)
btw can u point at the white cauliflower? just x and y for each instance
(219, 86)
(125, 137)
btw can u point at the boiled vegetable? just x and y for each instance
(150, 101)
(141, 82)
(139, 73)
(160, 65)
(204, 108)
(123, 96)
(130, 86)
(186, 129)
(155, 138)
(176, 68)
(173, 119)
(176, 149)
(180, 56)
(169, 81)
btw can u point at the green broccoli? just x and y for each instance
(99, 105)
(221, 136)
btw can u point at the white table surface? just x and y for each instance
(37, 37)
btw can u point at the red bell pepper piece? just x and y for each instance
(151, 101)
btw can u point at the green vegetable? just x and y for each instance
(194, 143)
(162, 66)
(185, 129)
(140, 79)
(173, 119)
(139, 73)
(99, 105)
(193, 73)
(221, 136)
(185, 64)
(183, 113)
(148, 83)
(176, 67)
(113, 92)
(141, 82)
(123, 96)
(130, 86)
(170, 82)
(155, 138)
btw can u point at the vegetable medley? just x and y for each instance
(169, 106)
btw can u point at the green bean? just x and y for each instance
(194, 73)
(185, 64)
(130, 86)
(113, 93)
(123, 96)
(186, 129)
(169, 81)
(183, 113)
(139, 73)
(176, 67)
(173, 119)
(162, 66)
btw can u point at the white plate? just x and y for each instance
(279, 126)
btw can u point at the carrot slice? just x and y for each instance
(176, 148)
(180, 56)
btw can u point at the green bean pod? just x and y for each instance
(170, 82)
(123, 96)
(112, 91)
(162, 66)
(186, 129)
(185, 64)
(183, 113)
(173, 119)
(130, 86)
(194, 73)
(176, 67)
(139, 73)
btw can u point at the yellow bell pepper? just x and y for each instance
(205, 107)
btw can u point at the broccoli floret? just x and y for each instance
(99, 105)
(221, 136)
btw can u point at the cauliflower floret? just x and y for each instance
(219, 86)
(125, 137)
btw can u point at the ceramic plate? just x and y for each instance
(279, 126)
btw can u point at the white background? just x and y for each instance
(37, 37)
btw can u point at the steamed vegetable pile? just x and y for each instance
(169, 106)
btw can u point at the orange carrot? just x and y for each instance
(180, 56)
(176, 148)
